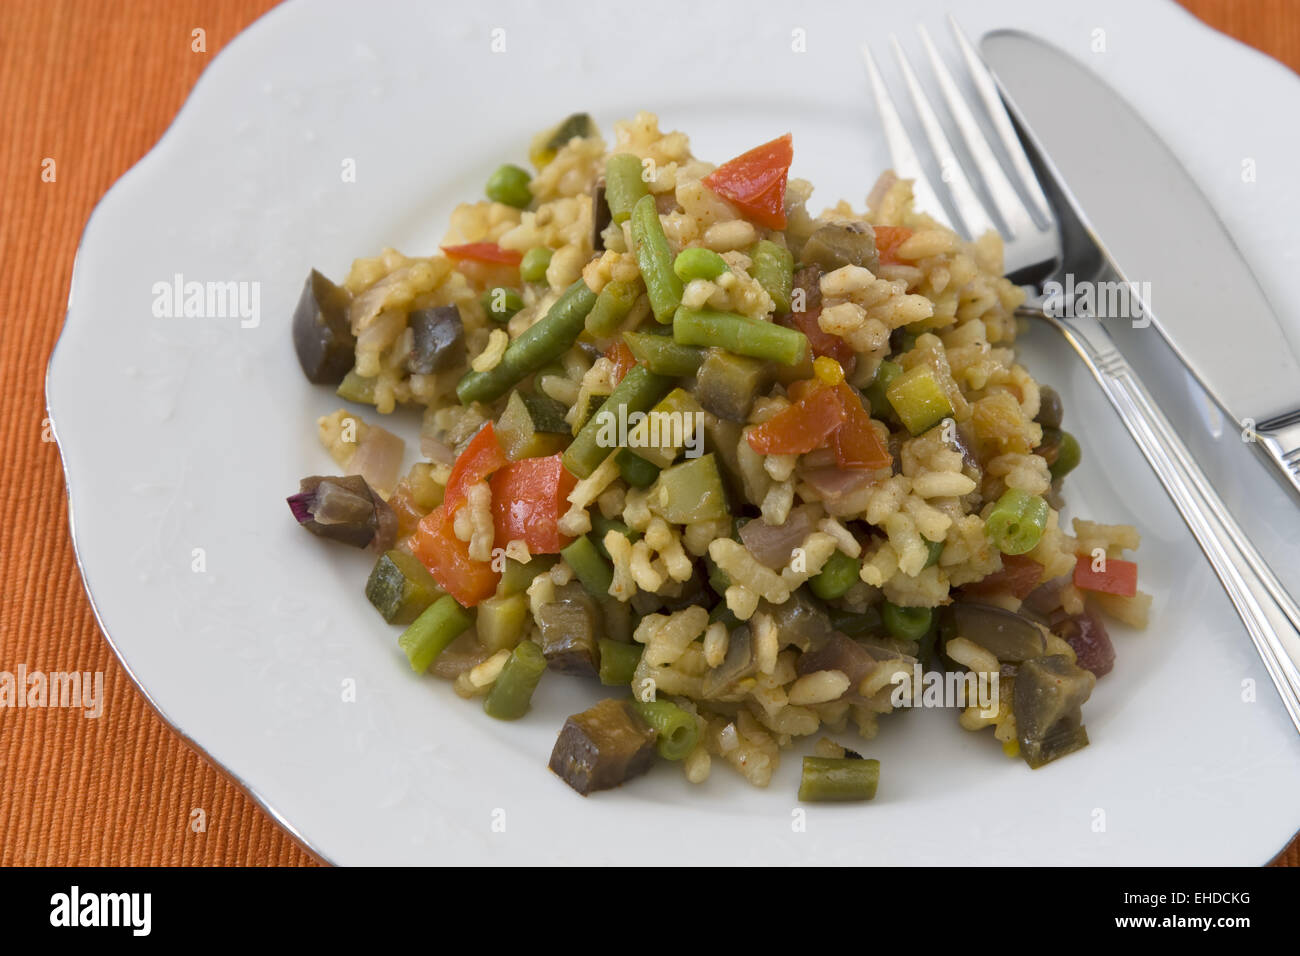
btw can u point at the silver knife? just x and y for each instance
(1256, 381)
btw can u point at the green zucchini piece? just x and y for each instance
(400, 587)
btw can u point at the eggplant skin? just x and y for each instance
(344, 509)
(840, 244)
(568, 632)
(322, 336)
(602, 747)
(437, 339)
(1047, 701)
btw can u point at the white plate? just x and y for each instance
(184, 434)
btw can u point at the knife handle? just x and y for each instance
(1271, 617)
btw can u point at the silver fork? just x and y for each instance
(1044, 240)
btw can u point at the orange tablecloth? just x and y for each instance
(93, 85)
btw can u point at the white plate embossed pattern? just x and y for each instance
(187, 433)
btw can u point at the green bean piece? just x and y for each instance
(1016, 523)
(655, 260)
(638, 392)
(624, 186)
(678, 731)
(936, 550)
(612, 306)
(618, 661)
(512, 694)
(1068, 456)
(542, 342)
(532, 268)
(698, 263)
(739, 335)
(906, 623)
(509, 185)
(838, 779)
(875, 392)
(661, 355)
(429, 634)
(592, 569)
(516, 577)
(601, 526)
(773, 267)
(838, 574)
(501, 303)
(635, 470)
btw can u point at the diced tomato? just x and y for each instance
(528, 498)
(484, 252)
(856, 443)
(1119, 577)
(888, 239)
(821, 343)
(803, 426)
(447, 557)
(623, 359)
(755, 181)
(1019, 576)
(481, 457)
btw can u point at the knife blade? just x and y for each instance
(1149, 216)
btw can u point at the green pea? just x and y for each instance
(501, 303)
(1068, 456)
(838, 574)
(509, 185)
(532, 268)
(906, 623)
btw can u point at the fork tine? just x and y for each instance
(975, 219)
(997, 112)
(1015, 216)
(906, 163)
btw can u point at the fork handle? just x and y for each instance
(1270, 615)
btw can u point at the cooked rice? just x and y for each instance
(917, 531)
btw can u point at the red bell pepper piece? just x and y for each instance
(447, 557)
(755, 181)
(481, 457)
(1018, 577)
(623, 359)
(484, 252)
(1118, 577)
(528, 498)
(803, 426)
(888, 239)
(435, 543)
(821, 343)
(855, 442)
